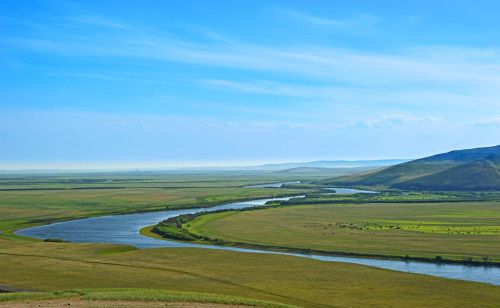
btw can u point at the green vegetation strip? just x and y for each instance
(142, 295)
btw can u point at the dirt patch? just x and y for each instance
(59, 303)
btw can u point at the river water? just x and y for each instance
(124, 229)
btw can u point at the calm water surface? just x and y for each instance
(124, 229)
(272, 185)
(349, 191)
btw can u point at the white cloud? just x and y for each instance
(439, 98)
(358, 22)
(429, 66)
(395, 120)
(425, 77)
(311, 19)
(485, 122)
(74, 136)
(98, 21)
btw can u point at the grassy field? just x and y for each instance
(324, 197)
(72, 197)
(122, 180)
(126, 297)
(61, 266)
(114, 272)
(447, 230)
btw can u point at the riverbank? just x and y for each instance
(123, 229)
(11, 231)
(149, 231)
(289, 224)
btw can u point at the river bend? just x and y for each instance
(124, 229)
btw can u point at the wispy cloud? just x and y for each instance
(71, 134)
(419, 97)
(327, 64)
(98, 21)
(418, 66)
(485, 122)
(109, 77)
(461, 77)
(311, 19)
(357, 22)
(396, 120)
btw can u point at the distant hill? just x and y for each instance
(311, 164)
(331, 164)
(472, 169)
(330, 171)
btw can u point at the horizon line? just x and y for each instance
(63, 167)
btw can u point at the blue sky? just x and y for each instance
(163, 83)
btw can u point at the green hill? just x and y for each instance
(473, 169)
(482, 174)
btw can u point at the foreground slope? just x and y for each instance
(283, 279)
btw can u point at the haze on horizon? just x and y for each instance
(240, 83)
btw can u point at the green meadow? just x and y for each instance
(129, 297)
(439, 230)
(54, 271)
(32, 200)
(51, 267)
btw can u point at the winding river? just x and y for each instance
(124, 229)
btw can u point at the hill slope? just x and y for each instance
(482, 174)
(473, 169)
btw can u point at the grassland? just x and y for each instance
(115, 272)
(445, 230)
(309, 283)
(33, 200)
(126, 298)
(326, 197)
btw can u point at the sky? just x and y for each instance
(87, 84)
